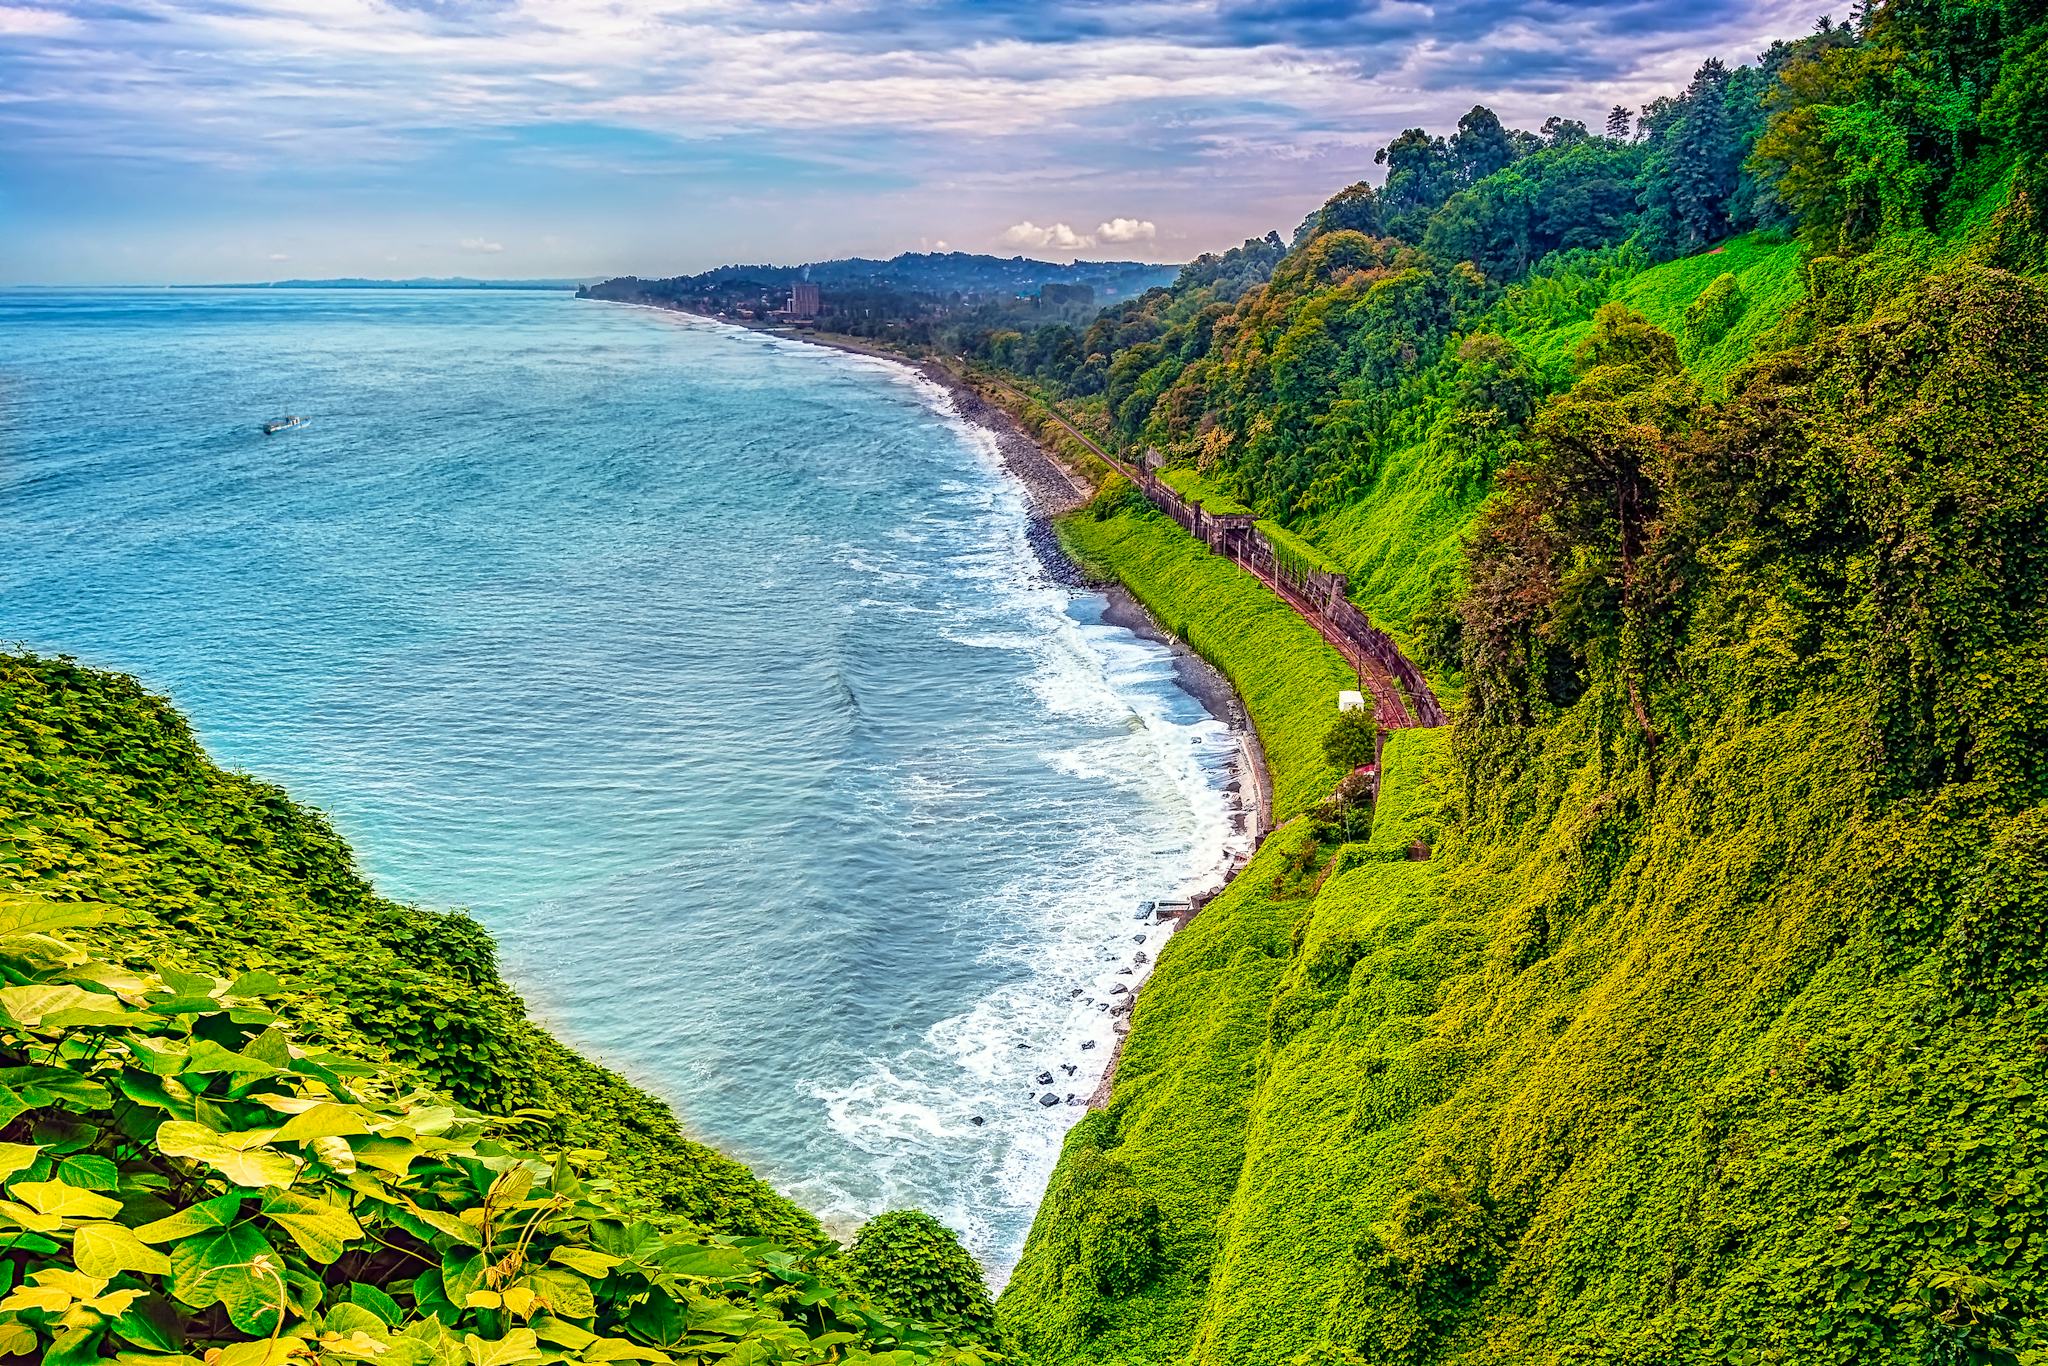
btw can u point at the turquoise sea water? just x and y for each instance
(711, 671)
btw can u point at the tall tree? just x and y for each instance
(1419, 178)
(1620, 124)
(1481, 146)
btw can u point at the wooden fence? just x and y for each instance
(1402, 695)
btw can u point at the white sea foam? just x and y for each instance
(1065, 932)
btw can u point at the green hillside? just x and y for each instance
(248, 1105)
(1713, 1025)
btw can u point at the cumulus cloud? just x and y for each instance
(480, 245)
(1127, 230)
(1062, 237)
(1054, 237)
(279, 256)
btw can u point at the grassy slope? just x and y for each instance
(1771, 282)
(1288, 675)
(1174, 1126)
(1655, 1089)
(1589, 1082)
(104, 795)
(1403, 537)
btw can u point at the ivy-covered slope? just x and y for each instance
(183, 1182)
(1715, 1026)
(105, 796)
(1287, 674)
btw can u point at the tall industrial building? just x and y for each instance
(803, 299)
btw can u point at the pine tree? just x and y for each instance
(1620, 124)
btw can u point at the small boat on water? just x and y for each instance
(283, 424)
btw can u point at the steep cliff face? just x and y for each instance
(1715, 1026)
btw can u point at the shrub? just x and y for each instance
(1120, 1240)
(1708, 317)
(1117, 495)
(910, 1264)
(1352, 741)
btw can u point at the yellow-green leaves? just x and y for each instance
(243, 1158)
(321, 1229)
(78, 1299)
(59, 1006)
(15, 1157)
(65, 1202)
(106, 1250)
(588, 1260)
(204, 1217)
(325, 1120)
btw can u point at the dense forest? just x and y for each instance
(1699, 455)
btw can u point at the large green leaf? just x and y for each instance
(38, 1085)
(60, 1005)
(208, 1056)
(89, 1171)
(204, 1254)
(207, 1215)
(15, 1157)
(321, 1229)
(567, 1293)
(222, 1267)
(517, 1348)
(26, 913)
(325, 1120)
(242, 1158)
(66, 1202)
(377, 1302)
(106, 1250)
(152, 1322)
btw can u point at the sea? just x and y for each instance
(711, 670)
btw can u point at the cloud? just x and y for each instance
(1062, 237)
(1127, 230)
(279, 256)
(21, 21)
(1055, 237)
(599, 118)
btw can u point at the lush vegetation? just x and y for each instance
(1287, 674)
(108, 798)
(249, 1112)
(1686, 1000)
(183, 1179)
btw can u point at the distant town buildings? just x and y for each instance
(803, 299)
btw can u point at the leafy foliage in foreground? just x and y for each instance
(105, 796)
(185, 1179)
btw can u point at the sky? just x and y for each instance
(164, 141)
